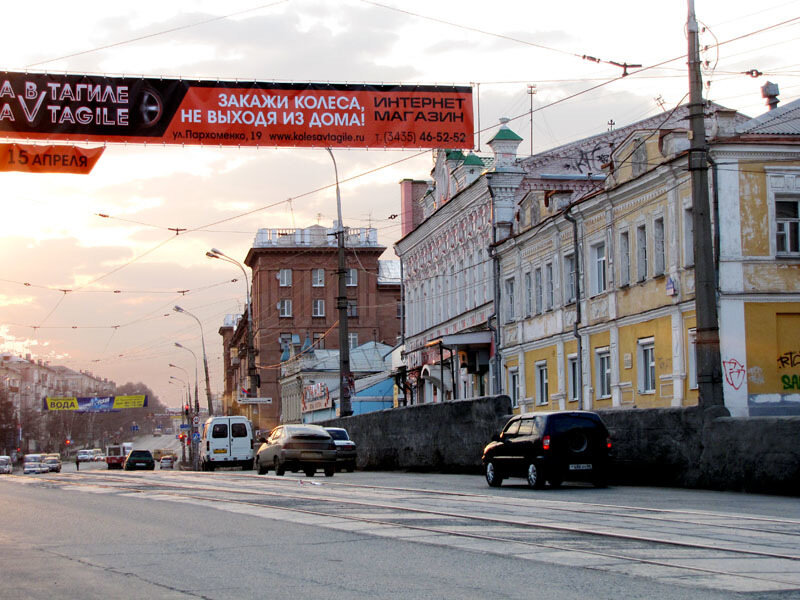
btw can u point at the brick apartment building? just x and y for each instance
(294, 306)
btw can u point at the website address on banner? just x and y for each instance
(335, 138)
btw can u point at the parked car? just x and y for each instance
(35, 467)
(297, 448)
(6, 465)
(53, 462)
(551, 447)
(166, 462)
(345, 449)
(85, 456)
(140, 459)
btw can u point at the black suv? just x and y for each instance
(550, 447)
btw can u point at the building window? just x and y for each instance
(624, 259)
(285, 307)
(658, 247)
(513, 385)
(647, 366)
(572, 374)
(351, 278)
(509, 300)
(318, 277)
(352, 339)
(460, 292)
(542, 393)
(318, 307)
(548, 286)
(569, 278)
(399, 309)
(528, 295)
(537, 289)
(787, 226)
(688, 237)
(319, 341)
(603, 372)
(691, 359)
(641, 253)
(599, 259)
(352, 309)
(285, 277)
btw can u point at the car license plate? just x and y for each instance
(311, 455)
(219, 451)
(580, 467)
(140, 464)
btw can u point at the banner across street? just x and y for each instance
(88, 108)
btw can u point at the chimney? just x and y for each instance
(411, 191)
(770, 91)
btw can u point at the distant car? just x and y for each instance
(53, 462)
(297, 448)
(140, 459)
(549, 447)
(85, 456)
(37, 458)
(167, 462)
(345, 448)
(35, 467)
(6, 465)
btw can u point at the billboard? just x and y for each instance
(233, 113)
(94, 403)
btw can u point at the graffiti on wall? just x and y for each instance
(734, 373)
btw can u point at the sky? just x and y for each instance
(130, 266)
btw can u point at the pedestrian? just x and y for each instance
(77, 463)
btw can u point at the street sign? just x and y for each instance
(196, 437)
(184, 426)
(196, 420)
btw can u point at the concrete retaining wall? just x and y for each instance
(683, 447)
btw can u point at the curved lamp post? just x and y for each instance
(177, 308)
(251, 350)
(196, 401)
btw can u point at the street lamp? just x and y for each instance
(345, 408)
(251, 350)
(177, 308)
(196, 401)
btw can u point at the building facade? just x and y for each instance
(295, 285)
(634, 343)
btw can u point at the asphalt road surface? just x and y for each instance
(233, 534)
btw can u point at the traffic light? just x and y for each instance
(186, 409)
(67, 442)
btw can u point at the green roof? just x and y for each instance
(504, 134)
(473, 160)
(454, 155)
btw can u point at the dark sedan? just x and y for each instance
(297, 448)
(346, 452)
(140, 460)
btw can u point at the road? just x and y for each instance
(234, 534)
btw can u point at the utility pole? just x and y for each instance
(531, 93)
(709, 371)
(345, 407)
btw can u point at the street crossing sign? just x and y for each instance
(196, 437)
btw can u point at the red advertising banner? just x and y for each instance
(173, 111)
(48, 159)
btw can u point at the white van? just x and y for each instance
(227, 442)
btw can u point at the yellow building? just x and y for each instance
(634, 341)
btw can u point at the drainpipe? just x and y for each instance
(715, 208)
(576, 284)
